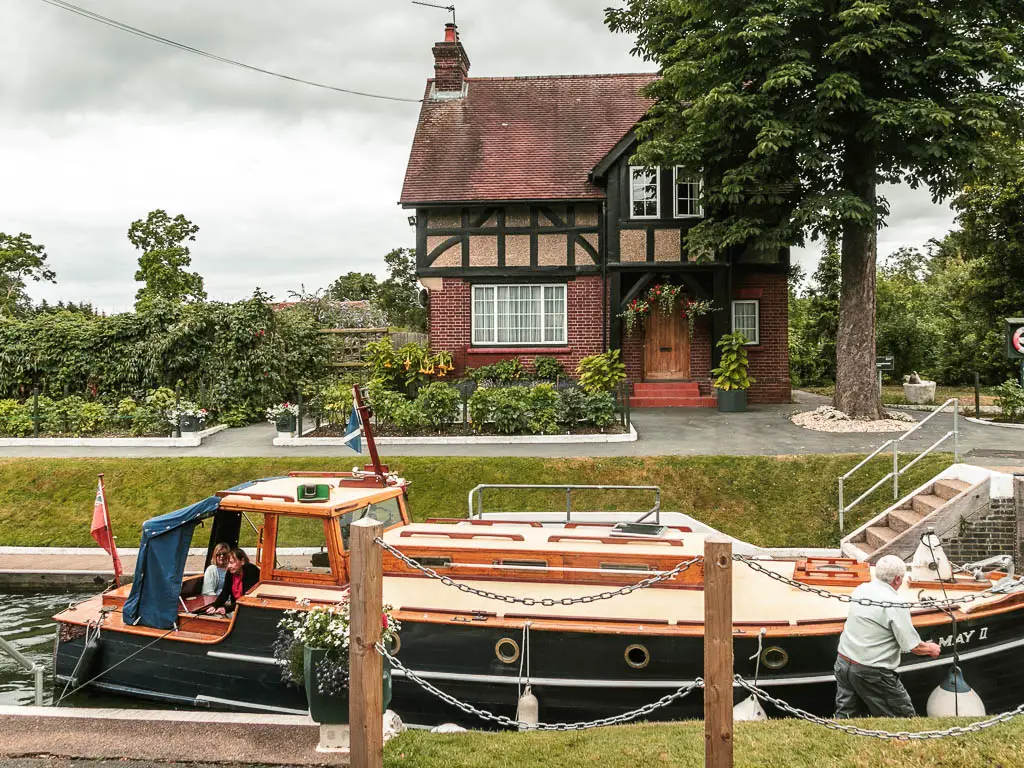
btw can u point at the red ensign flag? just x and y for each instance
(101, 531)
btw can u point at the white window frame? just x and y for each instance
(657, 192)
(495, 343)
(675, 193)
(757, 319)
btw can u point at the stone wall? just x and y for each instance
(993, 533)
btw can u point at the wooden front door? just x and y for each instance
(666, 347)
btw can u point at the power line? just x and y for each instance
(199, 52)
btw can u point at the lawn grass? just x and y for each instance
(892, 394)
(773, 744)
(769, 501)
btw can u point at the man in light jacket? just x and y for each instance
(870, 647)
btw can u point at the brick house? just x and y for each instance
(533, 233)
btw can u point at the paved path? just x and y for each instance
(762, 430)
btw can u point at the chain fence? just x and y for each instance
(509, 722)
(823, 592)
(546, 601)
(833, 725)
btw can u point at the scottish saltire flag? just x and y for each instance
(354, 428)
(101, 530)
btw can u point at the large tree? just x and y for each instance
(164, 259)
(796, 110)
(354, 286)
(399, 294)
(20, 260)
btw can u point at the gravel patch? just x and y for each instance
(829, 419)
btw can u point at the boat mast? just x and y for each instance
(365, 411)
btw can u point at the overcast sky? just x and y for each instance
(289, 184)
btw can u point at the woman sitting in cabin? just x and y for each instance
(241, 577)
(213, 577)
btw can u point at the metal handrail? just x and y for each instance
(894, 475)
(477, 492)
(29, 666)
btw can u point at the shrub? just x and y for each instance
(501, 372)
(599, 408)
(439, 404)
(92, 418)
(543, 417)
(547, 368)
(732, 371)
(15, 419)
(511, 410)
(162, 399)
(406, 416)
(1010, 399)
(601, 373)
(385, 402)
(572, 406)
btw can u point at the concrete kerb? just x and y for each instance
(192, 441)
(620, 437)
(986, 423)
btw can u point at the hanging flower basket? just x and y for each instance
(665, 297)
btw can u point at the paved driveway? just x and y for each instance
(762, 430)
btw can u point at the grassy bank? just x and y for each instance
(780, 501)
(775, 744)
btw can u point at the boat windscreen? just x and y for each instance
(387, 512)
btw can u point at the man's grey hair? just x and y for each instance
(889, 567)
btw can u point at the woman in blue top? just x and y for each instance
(213, 578)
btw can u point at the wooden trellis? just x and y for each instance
(349, 344)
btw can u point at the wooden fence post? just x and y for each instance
(718, 663)
(366, 716)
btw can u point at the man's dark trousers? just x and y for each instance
(874, 691)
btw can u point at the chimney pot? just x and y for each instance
(451, 33)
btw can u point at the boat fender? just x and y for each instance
(393, 725)
(89, 664)
(749, 709)
(528, 710)
(953, 697)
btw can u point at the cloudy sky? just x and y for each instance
(290, 185)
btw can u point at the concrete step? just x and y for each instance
(666, 389)
(947, 489)
(926, 503)
(673, 402)
(856, 550)
(902, 519)
(879, 536)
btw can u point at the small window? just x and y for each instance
(644, 189)
(689, 187)
(524, 563)
(308, 531)
(625, 567)
(519, 314)
(746, 320)
(387, 512)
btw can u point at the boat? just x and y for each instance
(569, 624)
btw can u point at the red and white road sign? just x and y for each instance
(1018, 340)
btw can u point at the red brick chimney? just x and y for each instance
(451, 65)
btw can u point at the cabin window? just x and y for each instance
(688, 190)
(524, 563)
(387, 512)
(305, 532)
(639, 568)
(644, 189)
(746, 320)
(519, 314)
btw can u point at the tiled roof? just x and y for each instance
(521, 138)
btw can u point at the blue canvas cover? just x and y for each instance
(160, 566)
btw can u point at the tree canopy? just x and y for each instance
(795, 111)
(20, 260)
(164, 259)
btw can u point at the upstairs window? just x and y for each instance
(519, 314)
(746, 320)
(644, 191)
(689, 187)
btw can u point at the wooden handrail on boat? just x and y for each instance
(255, 496)
(458, 535)
(617, 540)
(462, 520)
(680, 528)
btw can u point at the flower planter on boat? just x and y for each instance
(332, 709)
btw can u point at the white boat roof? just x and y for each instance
(287, 486)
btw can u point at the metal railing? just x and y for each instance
(894, 444)
(476, 496)
(29, 666)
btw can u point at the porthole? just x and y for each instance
(774, 657)
(394, 645)
(637, 656)
(507, 650)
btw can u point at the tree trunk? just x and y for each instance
(856, 377)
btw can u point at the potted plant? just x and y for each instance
(187, 416)
(312, 648)
(284, 416)
(731, 378)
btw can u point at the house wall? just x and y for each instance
(451, 329)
